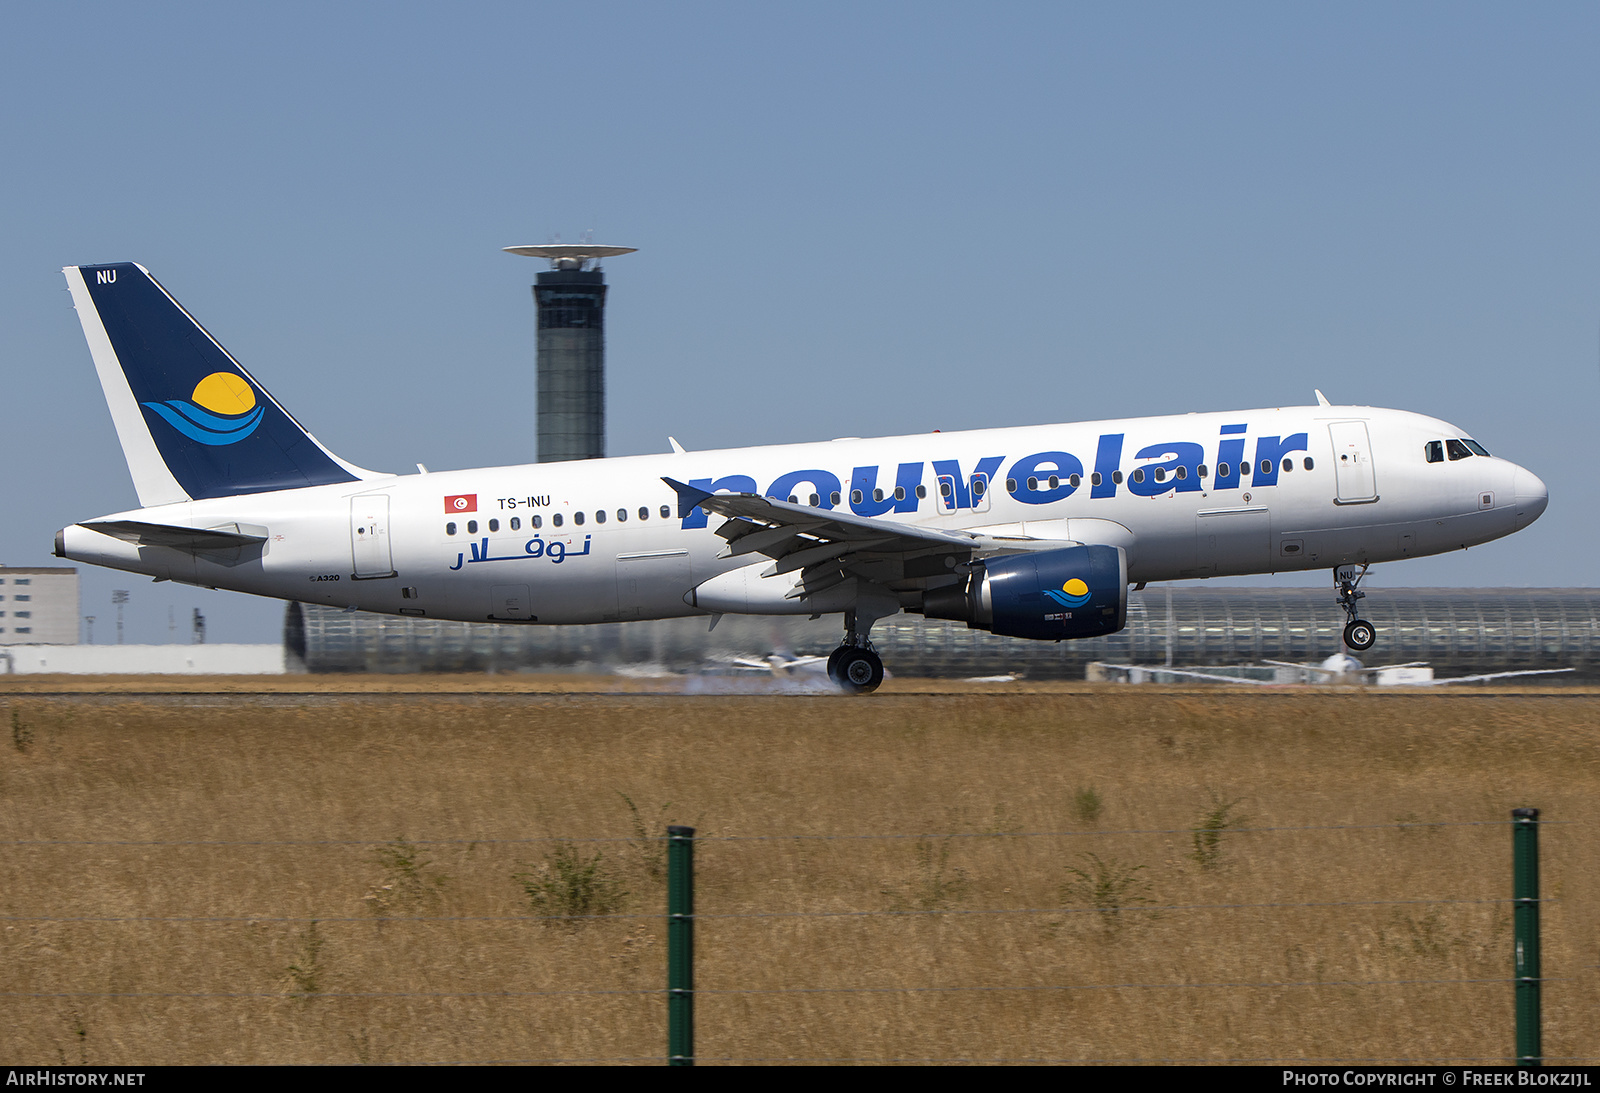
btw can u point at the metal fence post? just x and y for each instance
(680, 946)
(1525, 901)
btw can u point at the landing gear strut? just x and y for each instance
(855, 666)
(1359, 634)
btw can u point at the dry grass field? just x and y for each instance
(258, 872)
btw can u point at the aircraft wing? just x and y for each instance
(1496, 675)
(829, 546)
(1212, 676)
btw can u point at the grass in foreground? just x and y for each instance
(316, 879)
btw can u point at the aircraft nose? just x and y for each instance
(1531, 496)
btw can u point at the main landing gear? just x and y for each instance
(1359, 634)
(855, 666)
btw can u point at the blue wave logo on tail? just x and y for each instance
(221, 410)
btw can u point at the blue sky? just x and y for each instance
(853, 219)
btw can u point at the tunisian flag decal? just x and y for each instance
(464, 502)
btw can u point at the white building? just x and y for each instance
(38, 606)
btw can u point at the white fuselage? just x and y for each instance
(404, 545)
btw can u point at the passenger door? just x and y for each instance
(369, 536)
(1354, 478)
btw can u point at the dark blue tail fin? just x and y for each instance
(193, 423)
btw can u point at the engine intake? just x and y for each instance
(1078, 592)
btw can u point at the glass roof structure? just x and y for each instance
(1456, 630)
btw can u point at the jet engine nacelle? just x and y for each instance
(1078, 592)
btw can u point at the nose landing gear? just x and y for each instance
(1359, 634)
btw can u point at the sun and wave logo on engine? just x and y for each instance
(221, 410)
(1074, 593)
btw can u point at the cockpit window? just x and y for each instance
(1474, 446)
(1434, 449)
(1457, 450)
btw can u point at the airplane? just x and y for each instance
(1034, 532)
(1340, 668)
(782, 665)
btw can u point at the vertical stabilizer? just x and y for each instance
(192, 422)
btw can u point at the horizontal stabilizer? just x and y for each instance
(176, 537)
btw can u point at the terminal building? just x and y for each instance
(38, 605)
(1458, 631)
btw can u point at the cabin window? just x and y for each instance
(600, 516)
(1266, 466)
(516, 523)
(979, 486)
(536, 522)
(1073, 480)
(644, 513)
(1138, 474)
(877, 495)
(1309, 462)
(833, 498)
(1201, 470)
(577, 518)
(1011, 485)
(814, 501)
(494, 525)
(944, 489)
(793, 500)
(855, 497)
(556, 520)
(899, 493)
(1094, 479)
(472, 527)
(622, 516)
(1223, 470)
(1033, 484)
(1116, 478)
(666, 513)
(1054, 480)
(922, 491)
(1288, 464)
(450, 528)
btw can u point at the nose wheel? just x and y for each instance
(1359, 634)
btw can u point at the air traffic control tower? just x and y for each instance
(571, 296)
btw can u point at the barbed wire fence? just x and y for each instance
(754, 952)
